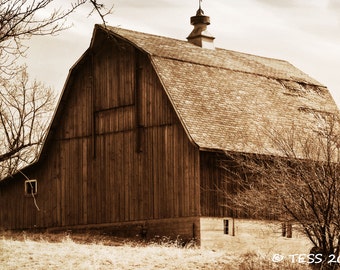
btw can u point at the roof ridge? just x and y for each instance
(186, 42)
(181, 50)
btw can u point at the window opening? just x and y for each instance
(31, 187)
(226, 226)
(287, 229)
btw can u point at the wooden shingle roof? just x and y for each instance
(225, 99)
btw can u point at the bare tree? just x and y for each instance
(22, 19)
(25, 111)
(25, 106)
(302, 185)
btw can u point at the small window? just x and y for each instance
(284, 229)
(226, 226)
(287, 229)
(31, 187)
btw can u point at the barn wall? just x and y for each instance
(18, 213)
(142, 154)
(216, 181)
(21, 211)
(119, 152)
(212, 186)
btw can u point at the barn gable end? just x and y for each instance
(116, 151)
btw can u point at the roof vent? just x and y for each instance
(200, 35)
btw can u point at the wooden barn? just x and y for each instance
(134, 144)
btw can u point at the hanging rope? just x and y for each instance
(32, 190)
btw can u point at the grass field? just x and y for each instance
(48, 251)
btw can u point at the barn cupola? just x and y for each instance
(200, 35)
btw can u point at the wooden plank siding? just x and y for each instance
(214, 185)
(119, 152)
(19, 211)
(215, 182)
(212, 175)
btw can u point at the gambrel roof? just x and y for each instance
(226, 99)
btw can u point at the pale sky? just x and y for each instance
(306, 33)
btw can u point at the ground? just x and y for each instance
(64, 251)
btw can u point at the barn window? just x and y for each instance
(31, 187)
(226, 226)
(287, 229)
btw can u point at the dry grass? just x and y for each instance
(50, 251)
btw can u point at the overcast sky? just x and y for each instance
(304, 32)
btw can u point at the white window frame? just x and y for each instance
(33, 186)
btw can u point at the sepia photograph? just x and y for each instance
(158, 134)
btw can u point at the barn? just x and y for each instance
(142, 121)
